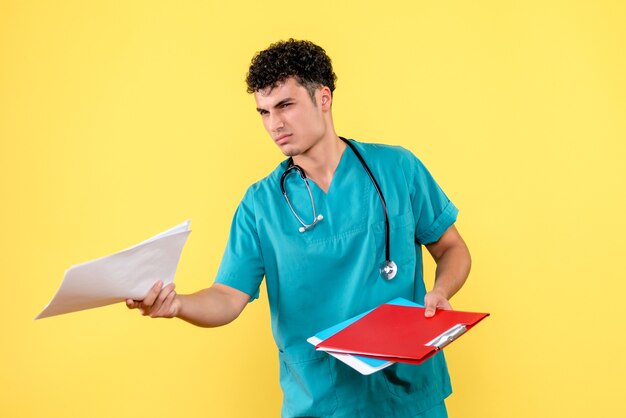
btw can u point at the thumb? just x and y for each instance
(431, 308)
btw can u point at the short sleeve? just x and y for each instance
(434, 212)
(242, 264)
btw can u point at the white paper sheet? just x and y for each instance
(128, 274)
(353, 361)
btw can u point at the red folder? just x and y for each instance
(401, 333)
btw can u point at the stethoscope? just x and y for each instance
(388, 269)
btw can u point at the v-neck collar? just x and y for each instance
(338, 173)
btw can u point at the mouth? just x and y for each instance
(281, 139)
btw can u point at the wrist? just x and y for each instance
(439, 291)
(177, 306)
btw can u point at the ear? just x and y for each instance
(326, 98)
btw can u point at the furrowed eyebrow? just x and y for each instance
(282, 102)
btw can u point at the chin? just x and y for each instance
(290, 152)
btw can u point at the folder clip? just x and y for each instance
(448, 336)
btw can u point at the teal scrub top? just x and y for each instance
(330, 273)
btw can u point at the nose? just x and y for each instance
(275, 122)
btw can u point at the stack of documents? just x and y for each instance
(128, 274)
(396, 331)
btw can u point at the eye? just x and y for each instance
(284, 105)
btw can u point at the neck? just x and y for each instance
(320, 162)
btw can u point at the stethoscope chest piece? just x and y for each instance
(388, 270)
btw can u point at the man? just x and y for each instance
(321, 270)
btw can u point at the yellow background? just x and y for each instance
(120, 119)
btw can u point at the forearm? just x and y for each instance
(453, 267)
(212, 307)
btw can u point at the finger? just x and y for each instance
(165, 292)
(167, 308)
(170, 303)
(133, 304)
(153, 293)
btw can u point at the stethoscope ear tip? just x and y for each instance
(307, 227)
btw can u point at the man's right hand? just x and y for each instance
(212, 307)
(160, 302)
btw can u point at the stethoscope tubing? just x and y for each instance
(293, 167)
(380, 195)
(316, 217)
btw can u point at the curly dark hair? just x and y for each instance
(306, 62)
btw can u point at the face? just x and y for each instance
(294, 121)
